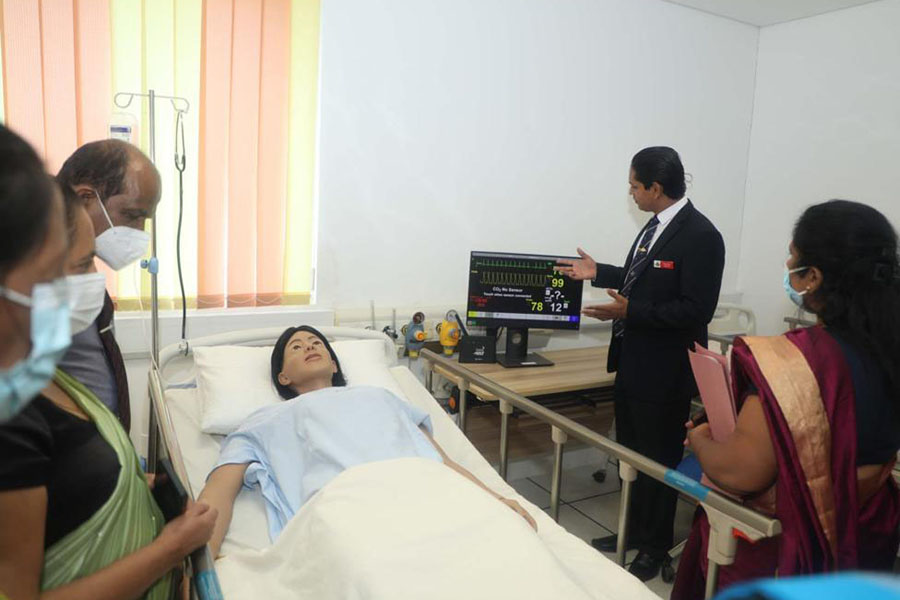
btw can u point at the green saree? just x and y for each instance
(127, 521)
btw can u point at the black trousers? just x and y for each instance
(657, 431)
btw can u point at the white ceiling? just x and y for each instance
(769, 12)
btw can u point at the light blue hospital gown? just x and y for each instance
(296, 447)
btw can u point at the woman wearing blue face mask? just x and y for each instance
(33, 305)
(818, 425)
(77, 519)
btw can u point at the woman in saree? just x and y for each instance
(77, 518)
(817, 431)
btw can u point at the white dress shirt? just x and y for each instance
(664, 217)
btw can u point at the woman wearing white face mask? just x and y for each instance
(86, 286)
(77, 519)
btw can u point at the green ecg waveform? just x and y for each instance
(512, 264)
(514, 279)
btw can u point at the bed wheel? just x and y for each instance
(668, 571)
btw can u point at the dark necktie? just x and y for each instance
(114, 355)
(638, 263)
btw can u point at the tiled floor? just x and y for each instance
(589, 509)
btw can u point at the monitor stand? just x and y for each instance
(517, 351)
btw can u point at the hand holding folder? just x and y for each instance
(714, 382)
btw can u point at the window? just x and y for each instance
(249, 69)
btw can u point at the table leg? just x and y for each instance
(505, 410)
(463, 388)
(559, 439)
(429, 376)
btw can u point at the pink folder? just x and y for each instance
(714, 382)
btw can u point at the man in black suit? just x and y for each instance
(667, 293)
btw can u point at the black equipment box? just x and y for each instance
(478, 349)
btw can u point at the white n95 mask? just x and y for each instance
(87, 293)
(119, 246)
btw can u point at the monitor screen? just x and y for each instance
(521, 290)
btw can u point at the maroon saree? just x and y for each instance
(806, 390)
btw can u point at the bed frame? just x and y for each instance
(727, 518)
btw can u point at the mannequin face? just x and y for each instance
(306, 361)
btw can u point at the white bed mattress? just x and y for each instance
(590, 569)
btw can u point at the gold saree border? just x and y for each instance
(797, 392)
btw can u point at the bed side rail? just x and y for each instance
(202, 572)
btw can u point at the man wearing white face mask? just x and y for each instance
(120, 189)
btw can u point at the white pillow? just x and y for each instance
(234, 381)
(364, 362)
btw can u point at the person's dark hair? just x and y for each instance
(26, 198)
(660, 164)
(855, 247)
(72, 203)
(278, 360)
(101, 165)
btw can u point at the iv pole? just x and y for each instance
(123, 100)
(205, 584)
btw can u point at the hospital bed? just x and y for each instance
(176, 433)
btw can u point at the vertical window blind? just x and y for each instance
(249, 69)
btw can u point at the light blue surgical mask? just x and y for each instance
(795, 296)
(50, 338)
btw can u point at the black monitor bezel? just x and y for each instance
(491, 323)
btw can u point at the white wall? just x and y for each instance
(448, 126)
(826, 124)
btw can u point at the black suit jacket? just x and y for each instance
(669, 307)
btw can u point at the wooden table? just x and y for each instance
(573, 370)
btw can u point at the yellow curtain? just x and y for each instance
(302, 153)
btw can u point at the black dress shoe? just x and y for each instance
(608, 543)
(645, 567)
